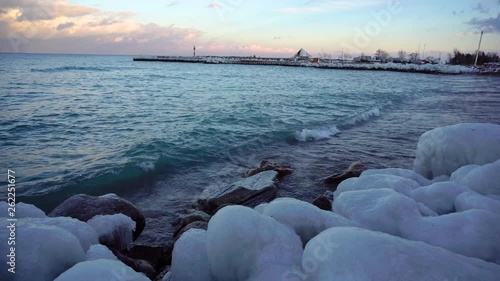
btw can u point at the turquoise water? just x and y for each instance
(94, 124)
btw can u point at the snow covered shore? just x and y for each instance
(439, 221)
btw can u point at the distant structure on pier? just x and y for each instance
(301, 55)
(194, 51)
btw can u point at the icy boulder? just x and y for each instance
(404, 173)
(346, 253)
(305, 219)
(473, 233)
(244, 245)
(189, 258)
(439, 197)
(471, 200)
(378, 209)
(22, 210)
(101, 270)
(113, 230)
(443, 150)
(97, 252)
(377, 181)
(483, 179)
(42, 252)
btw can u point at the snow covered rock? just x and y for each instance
(42, 252)
(378, 209)
(82, 231)
(305, 219)
(85, 207)
(377, 181)
(443, 150)
(473, 233)
(346, 253)
(244, 245)
(101, 270)
(22, 210)
(483, 179)
(190, 259)
(98, 251)
(440, 196)
(404, 173)
(471, 200)
(113, 230)
(249, 192)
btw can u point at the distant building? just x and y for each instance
(302, 55)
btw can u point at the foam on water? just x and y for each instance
(318, 134)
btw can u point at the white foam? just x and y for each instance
(319, 134)
(365, 116)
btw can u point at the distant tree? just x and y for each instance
(413, 56)
(402, 55)
(381, 53)
(324, 55)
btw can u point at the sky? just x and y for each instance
(248, 27)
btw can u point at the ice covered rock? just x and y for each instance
(378, 209)
(101, 270)
(85, 207)
(190, 259)
(249, 192)
(346, 253)
(22, 210)
(443, 150)
(377, 181)
(245, 245)
(473, 233)
(471, 200)
(305, 219)
(42, 251)
(85, 234)
(97, 252)
(404, 173)
(440, 196)
(483, 179)
(113, 230)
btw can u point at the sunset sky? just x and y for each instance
(244, 27)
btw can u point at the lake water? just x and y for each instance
(159, 133)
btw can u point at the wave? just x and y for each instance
(319, 134)
(70, 68)
(363, 117)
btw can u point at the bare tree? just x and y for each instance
(381, 53)
(413, 56)
(402, 55)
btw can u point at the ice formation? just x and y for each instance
(98, 251)
(101, 270)
(409, 174)
(376, 181)
(443, 150)
(115, 230)
(482, 179)
(440, 197)
(471, 200)
(190, 259)
(22, 210)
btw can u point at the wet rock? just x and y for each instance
(194, 225)
(164, 275)
(323, 203)
(136, 264)
(250, 192)
(156, 256)
(265, 165)
(84, 207)
(188, 219)
(354, 170)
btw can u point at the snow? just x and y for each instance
(85, 234)
(101, 270)
(22, 210)
(440, 197)
(409, 174)
(115, 230)
(433, 68)
(42, 251)
(483, 179)
(377, 181)
(347, 253)
(305, 219)
(378, 209)
(97, 252)
(190, 258)
(245, 245)
(471, 200)
(443, 150)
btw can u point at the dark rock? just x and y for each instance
(282, 171)
(195, 216)
(137, 265)
(195, 225)
(354, 170)
(249, 192)
(84, 207)
(157, 256)
(164, 272)
(323, 203)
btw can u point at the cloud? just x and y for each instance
(300, 10)
(213, 5)
(322, 6)
(489, 25)
(479, 7)
(65, 25)
(173, 3)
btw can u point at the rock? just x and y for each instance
(354, 170)
(164, 275)
(195, 216)
(323, 203)
(249, 192)
(282, 171)
(194, 225)
(157, 256)
(137, 265)
(84, 207)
